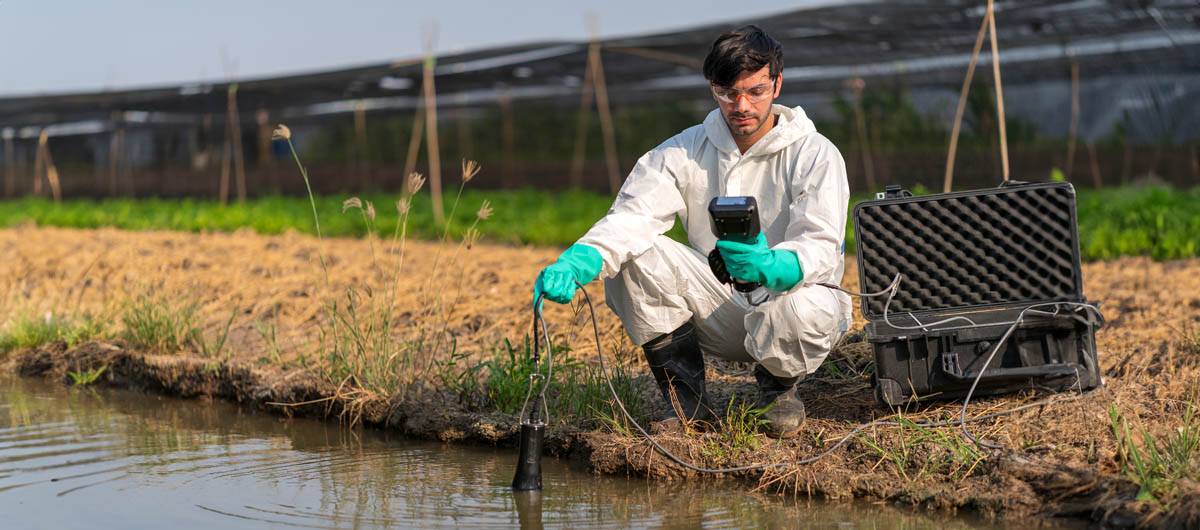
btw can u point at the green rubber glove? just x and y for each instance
(778, 270)
(578, 263)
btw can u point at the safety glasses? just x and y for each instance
(754, 94)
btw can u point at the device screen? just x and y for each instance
(731, 201)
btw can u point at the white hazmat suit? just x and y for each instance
(655, 284)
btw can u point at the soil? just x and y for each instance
(1059, 460)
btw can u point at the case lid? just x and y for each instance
(999, 247)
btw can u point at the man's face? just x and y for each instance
(744, 117)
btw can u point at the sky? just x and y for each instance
(57, 46)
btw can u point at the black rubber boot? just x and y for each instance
(786, 415)
(678, 366)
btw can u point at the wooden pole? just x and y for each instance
(234, 124)
(962, 103)
(868, 167)
(114, 148)
(991, 15)
(414, 142)
(606, 124)
(223, 190)
(10, 164)
(431, 132)
(48, 166)
(266, 151)
(585, 115)
(39, 163)
(360, 141)
(1097, 181)
(1074, 128)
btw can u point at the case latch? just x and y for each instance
(893, 191)
(950, 363)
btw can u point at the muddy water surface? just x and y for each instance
(105, 458)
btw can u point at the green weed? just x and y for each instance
(213, 349)
(266, 330)
(88, 377)
(737, 431)
(582, 397)
(155, 323)
(508, 377)
(926, 450)
(459, 377)
(1156, 464)
(29, 331)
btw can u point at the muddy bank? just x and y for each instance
(1007, 484)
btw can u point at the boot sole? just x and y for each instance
(785, 434)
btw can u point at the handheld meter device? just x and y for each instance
(732, 218)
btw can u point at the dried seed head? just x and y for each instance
(415, 181)
(485, 210)
(470, 237)
(469, 169)
(402, 206)
(282, 132)
(370, 210)
(352, 202)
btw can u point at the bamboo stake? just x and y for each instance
(266, 153)
(360, 141)
(10, 165)
(431, 138)
(962, 103)
(114, 147)
(585, 114)
(223, 190)
(414, 142)
(39, 163)
(234, 127)
(606, 124)
(1097, 181)
(991, 10)
(48, 165)
(1074, 128)
(857, 85)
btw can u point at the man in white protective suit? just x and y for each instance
(664, 292)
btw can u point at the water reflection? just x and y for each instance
(116, 459)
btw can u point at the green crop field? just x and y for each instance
(1160, 222)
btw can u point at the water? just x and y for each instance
(104, 458)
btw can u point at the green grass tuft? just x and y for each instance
(1157, 464)
(30, 331)
(157, 324)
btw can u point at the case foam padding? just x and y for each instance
(957, 250)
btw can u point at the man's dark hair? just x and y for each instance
(745, 49)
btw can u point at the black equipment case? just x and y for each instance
(978, 259)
